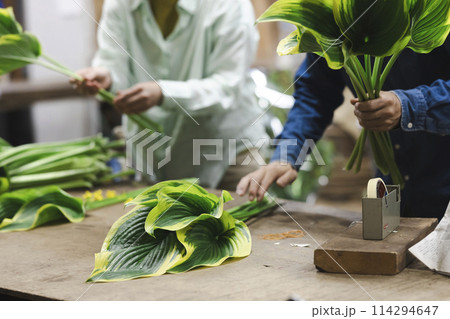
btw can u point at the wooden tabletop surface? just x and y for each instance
(53, 262)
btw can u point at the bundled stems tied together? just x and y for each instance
(367, 82)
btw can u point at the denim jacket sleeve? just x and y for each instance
(426, 108)
(318, 92)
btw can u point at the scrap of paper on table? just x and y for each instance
(434, 250)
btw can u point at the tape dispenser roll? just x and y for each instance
(376, 188)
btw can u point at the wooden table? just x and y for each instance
(53, 262)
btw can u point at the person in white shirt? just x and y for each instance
(185, 64)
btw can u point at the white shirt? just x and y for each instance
(202, 68)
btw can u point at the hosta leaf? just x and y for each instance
(8, 22)
(179, 206)
(250, 209)
(11, 202)
(317, 32)
(127, 229)
(35, 165)
(430, 26)
(148, 197)
(308, 43)
(4, 143)
(210, 241)
(185, 241)
(4, 180)
(313, 15)
(290, 44)
(18, 50)
(333, 52)
(375, 28)
(129, 252)
(41, 206)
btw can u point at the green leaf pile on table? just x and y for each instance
(19, 48)
(68, 164)
(32, 177)
(175, 226)
(342, 30)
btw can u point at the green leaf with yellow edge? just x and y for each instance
(179, 206)
(8, 22)
(11, 202)
(210, 241)
(308, 43)
(430, 25)
(148, 197)
(39, 206)
(128, 252)
(18, 50)
(313, 15)
(298, 42)
(290, 44)
(315, 22)
(373, 27)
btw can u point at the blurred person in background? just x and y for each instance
(184, 64)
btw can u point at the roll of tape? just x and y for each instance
(376, 188)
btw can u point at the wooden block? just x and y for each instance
(354, 255)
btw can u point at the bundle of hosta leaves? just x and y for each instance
(19, 48)
(342, 30)
(29, 208)
(175, 226)
(69, 164)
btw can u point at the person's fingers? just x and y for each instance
(354, 101)
(379, 128)
(134, 100)
(255, 181)
(378, 125)
(385, 114)
(287, 178)
(371, 116)
(266, 181)
(122, 99)
(136, 107)
(86, 74)
(126, 94)
(242, 187)
(92, 88)
(371, 106)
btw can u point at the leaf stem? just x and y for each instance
(359, 89)
(363, 75)
(388, 68)
(368, 67)
(360, 153)
(376, 75)
(355, 152)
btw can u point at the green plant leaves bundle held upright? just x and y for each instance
(19, 48)
(175, 226)
(342, 30)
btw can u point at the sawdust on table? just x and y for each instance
(289, 234)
